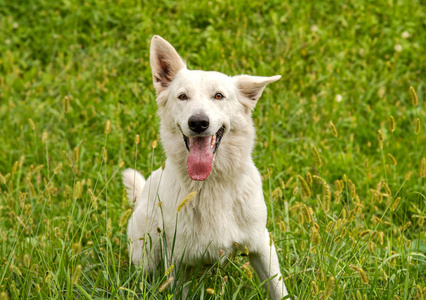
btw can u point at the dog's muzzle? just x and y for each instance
(201, 152)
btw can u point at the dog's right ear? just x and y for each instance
(165, 63)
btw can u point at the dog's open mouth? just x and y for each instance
(201, 152)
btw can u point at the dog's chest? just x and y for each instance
(214, 226)
(225, 212)
(209, 238)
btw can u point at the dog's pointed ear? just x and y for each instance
(165, 63)
(251, 87)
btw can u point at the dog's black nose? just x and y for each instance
(199, 123)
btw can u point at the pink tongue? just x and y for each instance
(200, 159)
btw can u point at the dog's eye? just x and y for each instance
(218, 96)
(183, 97)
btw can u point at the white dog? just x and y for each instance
(208, 136)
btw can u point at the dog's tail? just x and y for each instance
(134, 182)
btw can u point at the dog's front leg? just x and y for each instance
(265, 262)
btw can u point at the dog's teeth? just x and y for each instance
(191, 140)
(213, 142)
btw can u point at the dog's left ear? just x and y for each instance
(251, 87)
(165, 63)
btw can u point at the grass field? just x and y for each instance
(348, 222)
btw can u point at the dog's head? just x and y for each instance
(204, 115)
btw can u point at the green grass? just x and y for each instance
(96, 54)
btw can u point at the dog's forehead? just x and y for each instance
(203, 79)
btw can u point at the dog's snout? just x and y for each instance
(199, 123)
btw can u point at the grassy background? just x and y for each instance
(351, 62)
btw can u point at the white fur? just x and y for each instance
(134, 182)
(229, 207)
